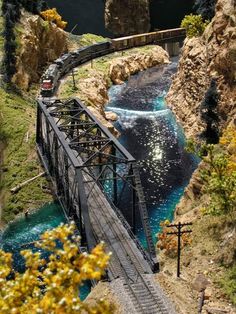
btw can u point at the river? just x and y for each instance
(149, 131)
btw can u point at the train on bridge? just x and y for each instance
(70, 60)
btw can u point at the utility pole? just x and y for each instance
(179, 232)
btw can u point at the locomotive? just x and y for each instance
(68, 61)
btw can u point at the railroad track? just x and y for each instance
(125, 262)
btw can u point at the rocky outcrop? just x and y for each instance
(122, 68)
(211, 56)
(127, 17)
(93, 90)
(40, 43)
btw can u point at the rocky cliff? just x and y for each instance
(122, 68)
(127, 17)
(211, 56)
(40, 43)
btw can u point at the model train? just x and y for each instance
(68, 61)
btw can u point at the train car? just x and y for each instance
(147, 38)
(102, 48)
(49, 80)
(64, 62)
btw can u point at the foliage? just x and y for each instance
(194, 25)
(90, 39)
(20, 159)
(52, 15)
(229, 284)
(209, 114)
(169, 242)
(206, 8)
(11, 13)
(51, 286)
(219, 174)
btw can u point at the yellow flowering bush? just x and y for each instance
(219, 173)
(52, 286)
(52, 15)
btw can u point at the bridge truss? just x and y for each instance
(78, 151)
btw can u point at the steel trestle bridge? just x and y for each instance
(90, 171)
(98, 184)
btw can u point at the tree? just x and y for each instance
(209, 114)
(52, 15)
(219, 173)
(206, 8)
(51, 285)
(194, 25)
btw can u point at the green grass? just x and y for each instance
(17, 133)
(228, 283)
(89, 39)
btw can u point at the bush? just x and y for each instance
(219, 173)
(50, 283)
(169, 242)
(228, 283)
(53, 16)
(194, 25)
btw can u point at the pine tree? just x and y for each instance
(206, 8)
(209, 114)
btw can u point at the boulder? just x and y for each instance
(200, 283)
(121, 68)
(127, 17)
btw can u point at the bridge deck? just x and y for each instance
(126, 262)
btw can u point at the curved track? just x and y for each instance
(127, 263)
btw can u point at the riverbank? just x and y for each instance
(93, 79)
(211, 255)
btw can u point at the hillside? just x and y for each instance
(211, 255)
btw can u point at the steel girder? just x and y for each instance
(73, 145)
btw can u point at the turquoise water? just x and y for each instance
(146, 123)
(24, 230)
(149, 131)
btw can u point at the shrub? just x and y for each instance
(194, 25)
(52, 15)
(219, 173)
(169, 242)
(51, 285)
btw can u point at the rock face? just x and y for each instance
(94, 89)
(211, 56)
(40, 43)
(94, 92)
(122, 68)
(127, 17)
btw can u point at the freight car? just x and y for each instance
(147, 38)
(68, 61)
